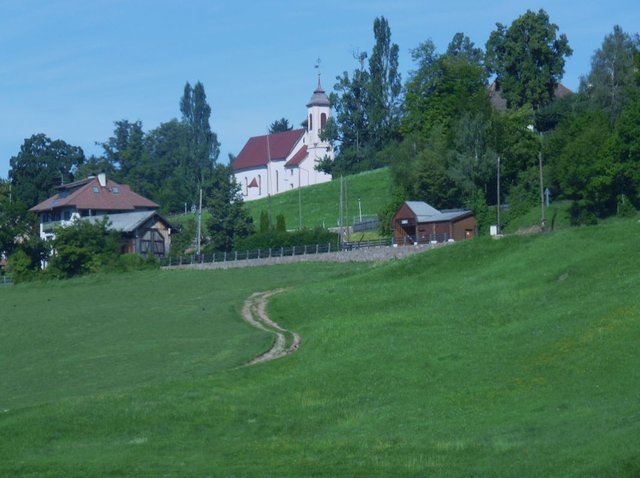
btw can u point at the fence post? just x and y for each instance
(316, 248)
(236, 255)
(281, 251)
(329, 250)
(305, 249)
(258, 253)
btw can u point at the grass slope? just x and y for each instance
(321, 202)
(515, 357)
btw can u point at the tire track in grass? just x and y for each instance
(254, 312)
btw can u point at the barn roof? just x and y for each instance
(259, 149)
(90, 194)
(426, 213)
(127, 221)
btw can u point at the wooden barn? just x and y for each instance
(416, 222)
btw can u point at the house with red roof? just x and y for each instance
(274, 163)
(143, 230)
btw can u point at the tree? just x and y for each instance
(40, 166)
(367, 105)
(384, 85)
(168, 150)
(83, 247)
(229, 221)
(279, 126)
(444, 87)
(124, 150)
(204, 146)
(612, 79)
(581, 168)
(528, 59)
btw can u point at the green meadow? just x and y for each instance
(319, 205)
(512, 357)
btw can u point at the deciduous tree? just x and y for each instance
(528, 59)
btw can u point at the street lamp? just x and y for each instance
(300, 196)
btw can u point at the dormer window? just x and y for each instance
(96, 189)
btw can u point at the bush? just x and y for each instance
(273, 239)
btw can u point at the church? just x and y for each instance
(274, 163)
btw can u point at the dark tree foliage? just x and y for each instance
(204, 147)
(280, 126)
(40, 166)
(83, 247)
(611, 83)
(124, 150)
(229, 221)
(444, 87)
(367, 105)
(528, 59)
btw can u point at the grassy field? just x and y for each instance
(321, 203)
(511, 357)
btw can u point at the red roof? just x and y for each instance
(256, 152)
(297, 158)
(88, 194)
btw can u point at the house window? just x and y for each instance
(67, 215)
(323, 120)
(115, 190)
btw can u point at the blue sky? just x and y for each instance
(70, 68)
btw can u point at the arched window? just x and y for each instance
(246, 186)
(259, 185)
(323, 120)
(310, 122)
(277, 185)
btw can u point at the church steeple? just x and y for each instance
(318, 111)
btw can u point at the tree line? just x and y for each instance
(443, 129)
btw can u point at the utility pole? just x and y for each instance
(541, 191)
(340, 213)
(199, 234)
(498, 188)
(269, 178)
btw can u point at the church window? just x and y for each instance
(277, 185)
(310, 122)
(323, 120)
(259, 185)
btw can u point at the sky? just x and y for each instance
(71, 68)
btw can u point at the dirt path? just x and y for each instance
(254, 312)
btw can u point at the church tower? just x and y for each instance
(318, 113)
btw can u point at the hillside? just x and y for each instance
(511, 357)
(319, 205)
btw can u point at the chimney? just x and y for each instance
(102, 179)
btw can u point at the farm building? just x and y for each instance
(274, 163)
(143, 229)
(418, 222)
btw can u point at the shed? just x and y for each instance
(418, 222)
(143, 232)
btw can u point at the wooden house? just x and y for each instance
(417, 222)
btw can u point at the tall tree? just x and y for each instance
(123, 151)
(612, 79)
(204, 145)
(367, 104)
(229, 221)
(40, 166)
(384, 85)
(279, 126)
(528, 59)
(444, 87)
